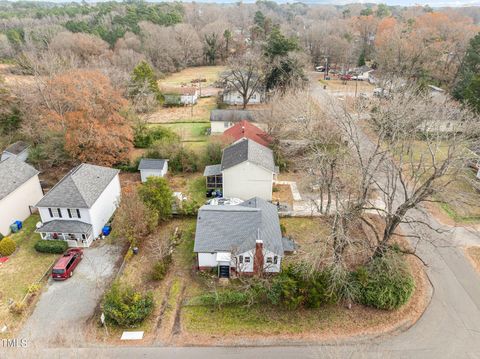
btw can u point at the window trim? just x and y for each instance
(240, 259)
(247, 259)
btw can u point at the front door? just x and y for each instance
(224, 271)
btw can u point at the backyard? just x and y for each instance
(184, 77)
(23, 271)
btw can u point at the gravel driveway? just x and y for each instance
(64, 307)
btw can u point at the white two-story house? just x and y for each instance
(77, 208)
(20, 190)
(247, 170)
(244, 238)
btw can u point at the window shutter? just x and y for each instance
(59, 212)
(50, 211)
(78, 213)
(69, 213)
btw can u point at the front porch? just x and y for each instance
(75, 233)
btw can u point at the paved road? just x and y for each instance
(449, 328)
(56, 322)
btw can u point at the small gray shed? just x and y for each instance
(18, 149)
(150, 167)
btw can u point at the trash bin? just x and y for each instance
(19, 224)
(14, 228)
(106, 230)
(135, 250)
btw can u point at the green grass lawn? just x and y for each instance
(190, 131)
(24, 268)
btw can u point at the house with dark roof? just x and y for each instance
(18, 149)
(221, 120)
(245, 238)
(247, 170)
(180, 95)
(245, 129)
(20, 190)
(78, 207)
(151, 167)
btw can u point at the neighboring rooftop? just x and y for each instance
(245, 129)
(17, 147)
(248, 150)
(14, 173)
(151, 164)
(231, 115)
(237, 228)
(80, 188)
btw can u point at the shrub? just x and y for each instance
(157, 195)
(7, 246)
(213, 153)
(145, 136)
(160, 268)
(386, 282)
(189, 207)
(51, 246)
(125, 307)
(180, 158)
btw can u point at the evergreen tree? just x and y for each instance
(467, 87)
(143, 74)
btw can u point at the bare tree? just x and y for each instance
(245, 77)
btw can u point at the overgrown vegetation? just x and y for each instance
(125, 307)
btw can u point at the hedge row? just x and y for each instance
(51, 246)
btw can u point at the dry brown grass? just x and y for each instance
(184, 77)
(473, 254)
(197, 113)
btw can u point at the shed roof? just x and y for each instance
(13, 174)
(151, 164)
(212, 170)
(237, 228)
(80, 188)
(248, 150)
(17, 147)
(64, 226)
(231, 115)
(245, 129)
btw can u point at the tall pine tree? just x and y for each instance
(467, 87)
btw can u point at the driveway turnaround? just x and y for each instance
(63, 308)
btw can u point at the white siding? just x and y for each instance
(15, 206)
(245, 267)
(247, 180)
(144, 174)
(105, 206)
(235, 98)
(207, 260)
(189, 99)
(45, 215)
(220, 126)
(271, 267)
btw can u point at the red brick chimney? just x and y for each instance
(258, 258)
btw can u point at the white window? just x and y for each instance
(269, 260)
(275, 260)
(74, 213)
(55, 212)
(254, 97)
(247, 259)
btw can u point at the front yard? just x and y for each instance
(178, 321)
(25, 268)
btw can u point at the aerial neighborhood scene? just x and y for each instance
(262, 179)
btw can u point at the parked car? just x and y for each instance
(346, 77)
(65, 266)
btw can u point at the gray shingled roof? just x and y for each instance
(236, 228)
(231, 115)
(17, 147)
(64, 226)
(213, 170)
(151, 164)
(14, 173)
(80, 188)
(248, 150)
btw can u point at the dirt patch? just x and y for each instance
(282, 193)
(473, 255)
